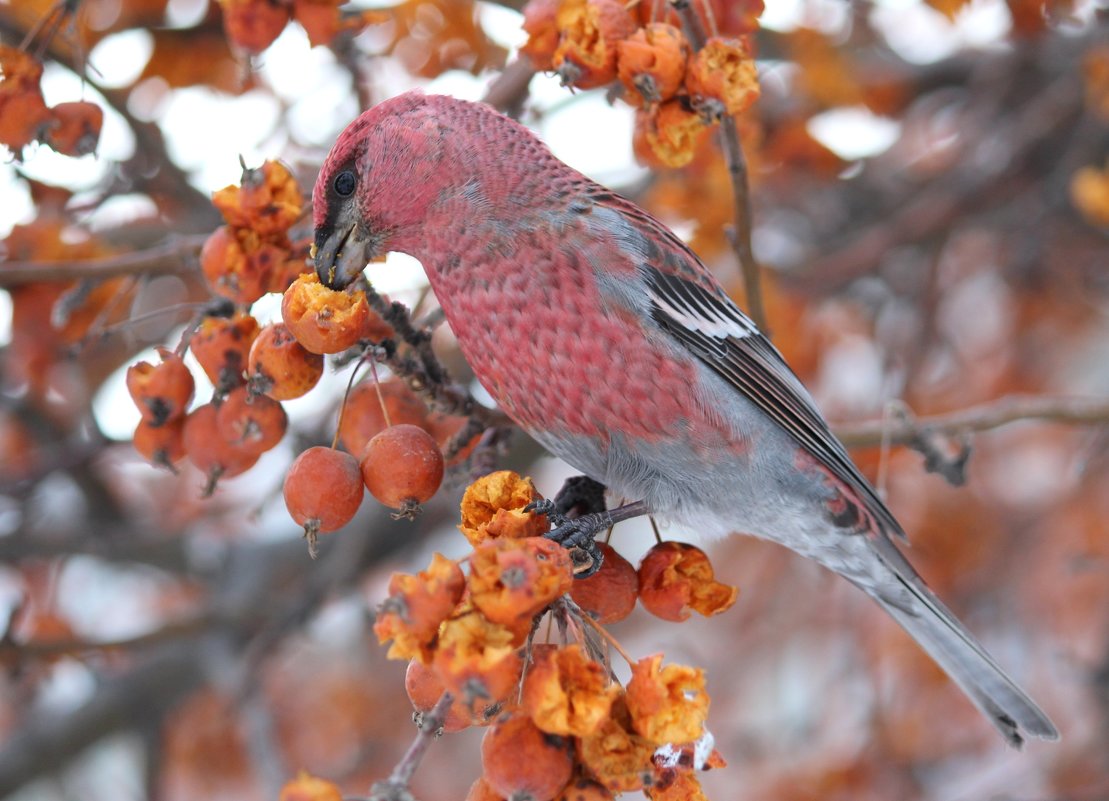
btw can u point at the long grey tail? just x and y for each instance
(961, 656)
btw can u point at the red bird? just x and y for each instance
(608, 340)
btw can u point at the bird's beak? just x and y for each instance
(342, 250)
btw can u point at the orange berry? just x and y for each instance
(267, 201)
(322, 319)
(162, 392)
(253, 24)
(541, 26)
(210, 452)
(425, 688)
(512, 580)
(280, 367)
(565, 692)
(493, 507)
(676, 578)
(23, 113)
(323, 489)
(609, 594)
(363, 417)
(668, 134)
(254, 422)
(616, 755)
(308, 788)
(651, 63)
(417, 606)
(521, 762)
(583, 789)
(724, 70)
(587, 52)
(481, 791)
(74, 128)
(161, 445)
(667, 704)
(222, 346)
(239, 265)
(402, 467)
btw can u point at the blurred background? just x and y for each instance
(929, 184)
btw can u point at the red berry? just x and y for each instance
(254, 422)
(402, 467)
(323, 490)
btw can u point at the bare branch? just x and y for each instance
(983, 417)
(176, 256)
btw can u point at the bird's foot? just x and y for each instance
(578, 535)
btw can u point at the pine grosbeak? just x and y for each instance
(606, 339)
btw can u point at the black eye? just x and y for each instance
(344, 183)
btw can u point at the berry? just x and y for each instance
(521, 762)
(652, 63)
(322, 319)
(280, 367)
(162, 392)
(676, 578)
(402, 467)
(222, 345)
(609, 594)
(363, 417)
(161, 445)
(254, 422)
(212, 454)
(323, 490)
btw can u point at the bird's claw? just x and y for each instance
(578, 536)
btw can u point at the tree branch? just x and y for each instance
(983, 417)
(176, 256)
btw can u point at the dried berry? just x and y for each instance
(322, 319)
(676, 578)
(417, 606)
(521, 762)
(493, 507)
(512, 580)
(566, 692)
(162, 392)
(651, 63)
(587, 51)
(222, 346)
(667, 704)
(723, 70)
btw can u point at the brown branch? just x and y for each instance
(740, 232)
(49, 648)
(395, 788)
(176, 256)
(983, 417)
(509, 90)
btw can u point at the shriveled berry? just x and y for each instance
(609, 594)
(280, 367)
(541, 26)
(323, 490)
(74, 128)
(724, 70)
(521, 762)
(586, 54)
(309, 788)
(584, 789)
(222, 346)
(253, 24)
(402, 467)
(652, 63)
(322, 319)
(676, 578)
(425, 688)
(161, 445)
(254, 422)
(162, 392)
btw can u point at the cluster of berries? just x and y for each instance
(560, 727)
(679, 91)
(254, 24)
(72, 129)
(393, 444)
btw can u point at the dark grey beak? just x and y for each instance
(342, 251)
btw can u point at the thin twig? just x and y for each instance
(395, 788)
(740, 232)
(983, 417)
(176, 256)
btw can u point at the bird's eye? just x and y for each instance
(344, 183)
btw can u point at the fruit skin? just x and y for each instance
(280, 367)
(402, 466)
(253, 422)
(222, 346)
(363, 417)
(610, 593)
(608, 341)
(210, 452)
(162, 392)
(323, 489)
(520, 761)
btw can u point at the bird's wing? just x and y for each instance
(688, 303)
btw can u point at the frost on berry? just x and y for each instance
(493, 507)
(222, 346)
(477, 659)
(566, 692)
(521, 762)
(280, 367)
(652, 63)
(365, 409)
(541, 26)
(668, 134)
(676, 578)
(723, 70)
(512, 580)
(587, 52)
(667, 704)
(609, 594)
(322, 490)
(417, 606)
(616, 755)
(162, 392)
(402, 467)
(306, 787)
(325, 320)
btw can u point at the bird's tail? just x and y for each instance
(964, 659)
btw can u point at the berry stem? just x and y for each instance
(606, 636)
(380, 397)
(346, 397)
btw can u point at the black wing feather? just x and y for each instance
(753, 365)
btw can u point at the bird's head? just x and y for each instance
(376, 185)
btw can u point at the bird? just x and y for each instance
(605, 337)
